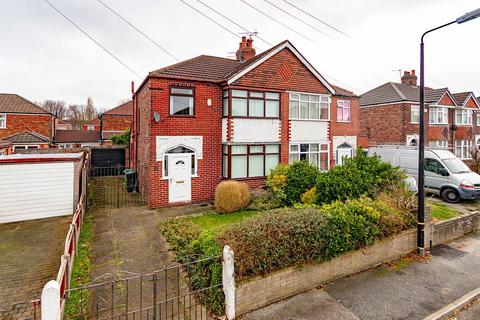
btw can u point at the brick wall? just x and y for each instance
(205, 123)
(457, 227)
(116, 122)
(383, 124)
(17, 123)
(263, 290)
(142, 142)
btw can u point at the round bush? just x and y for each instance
(231, 196)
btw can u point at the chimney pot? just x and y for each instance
(245, 50)
(409, 78)
(413, 72)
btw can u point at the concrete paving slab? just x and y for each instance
(312, 305)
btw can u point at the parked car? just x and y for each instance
(445, 174)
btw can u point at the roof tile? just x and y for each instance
(13, 103)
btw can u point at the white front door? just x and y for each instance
(180, 182)
(343, 153)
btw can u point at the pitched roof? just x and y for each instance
(27, 137)
(201, 68)
(77, 136)
(13, 103)
(218, 70)
(391, 92)
(125, 109)
(460, 97)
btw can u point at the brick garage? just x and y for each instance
(276, 72)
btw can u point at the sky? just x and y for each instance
(43, 56)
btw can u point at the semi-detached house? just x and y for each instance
(389, 114)
(206, 119)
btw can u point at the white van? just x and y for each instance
(445, 174)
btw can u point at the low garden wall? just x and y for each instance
(260, 291)
(454, 228)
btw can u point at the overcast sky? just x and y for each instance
(42, 56)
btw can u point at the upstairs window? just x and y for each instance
(309, 106)
(463, 117)
(343, 111)
(254, 104)
(414, 114)
(438, 115)
(181, 101)
(3, 121)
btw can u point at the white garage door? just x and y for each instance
(35, 190)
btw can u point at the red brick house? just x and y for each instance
(23, 124)
(389, 114)
(92, 125)
(210, 118)
(116, 120)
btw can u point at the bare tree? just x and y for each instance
(56, 107)
(475, 154)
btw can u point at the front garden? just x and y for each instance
(303, 216)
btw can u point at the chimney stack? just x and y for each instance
(245, 50)
(409, 78)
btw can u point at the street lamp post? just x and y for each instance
(421, 147)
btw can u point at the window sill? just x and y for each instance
(338, 121)
(247, 117)
(313, 120)
(244, 179)
(181, 116)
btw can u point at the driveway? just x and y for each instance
(30, 254)
(411, 291)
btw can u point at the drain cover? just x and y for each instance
(447, 252)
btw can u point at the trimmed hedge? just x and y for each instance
(287, 237)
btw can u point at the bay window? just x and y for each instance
(309, 106)
(414, 114)
(463, 148)
(315, 153)
(463, 116)
(343, 111)
(438, 115)
(253, 104)
(181, 101)
(249, 161)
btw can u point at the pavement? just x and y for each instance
(30, 254)
(404, 290)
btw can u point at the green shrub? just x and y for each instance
(231, 196)
(121, 139)
(310, 196)
(301, 177)
(263, 200)
(288, 236)
(358, 176)
(191, 244)
(275, 240)
(277, 182)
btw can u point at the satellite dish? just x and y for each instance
(156, 117)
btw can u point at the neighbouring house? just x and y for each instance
(389, 114)
(208, 118)
(69, 139)
(36, 186)
(63, 124)
(23, 124)
(92, 125)
(116, 121)
(6, 147)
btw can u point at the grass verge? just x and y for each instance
(77, 302)
(441, 212)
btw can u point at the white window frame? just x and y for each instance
(345, 104)
(90, 127)
(462, 149)
(440, 144)
(436, 112)
(4, 121)
(309, 152)
(321, 96)
(65, 146)
(26, 146)
(477, 115)
(465, 116)
(415, 110)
